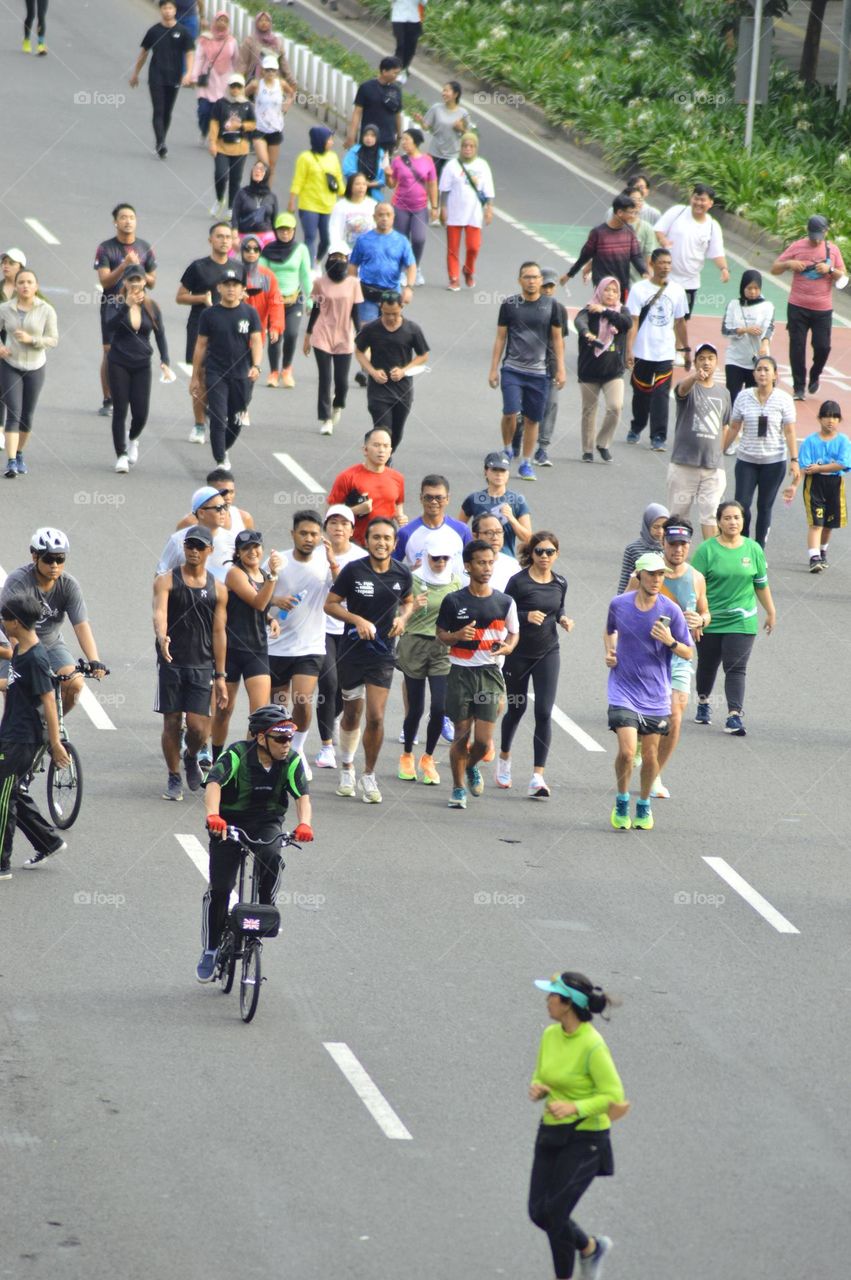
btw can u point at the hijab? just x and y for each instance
(368, 156)
(269, 38)
(651, 513)
(319, 136)
(279, 250)
(253, 278)
(750, 277)
(258, 43)
(261, 188)
(606, 331)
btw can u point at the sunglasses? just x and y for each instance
(57, 559)
(250, 248)
(195, 544)
(226, 493)
(221, 507)
(431, 557)
(544, 551)
(390, 295)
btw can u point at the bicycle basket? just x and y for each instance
(255, 920)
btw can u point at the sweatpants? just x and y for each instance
(733, 650)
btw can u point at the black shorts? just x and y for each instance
(824, 500)
(284, 667)
(626, 718)
(183, 689)
(271, 139)
(242, 664)
(356, 671)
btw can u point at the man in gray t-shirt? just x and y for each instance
(696, 471)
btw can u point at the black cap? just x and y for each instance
(500, 461)
(200, 534)
(817, 226)
(248, 538)
(233, 273)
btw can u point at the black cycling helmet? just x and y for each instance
(273, 720)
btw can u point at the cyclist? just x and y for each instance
(249, 787)
(59, 595)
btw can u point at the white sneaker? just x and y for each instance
(502, 773)
(402, 738)
(133, 452)
(347, 781)
(336, 416)
(197, 435)
(592, 1268)
(538, 789)
(326, 428)
(732, 449)
(226, 461)
(369, 789)
(659, 791)
(122, 465)
(420, 278)
(326, 757)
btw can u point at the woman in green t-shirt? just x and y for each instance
(736, 577)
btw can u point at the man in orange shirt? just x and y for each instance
(371, 488)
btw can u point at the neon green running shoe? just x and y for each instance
(643, 816)
(621, 820)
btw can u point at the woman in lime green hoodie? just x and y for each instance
(317, 183)
(583, 1092)
(290, 264)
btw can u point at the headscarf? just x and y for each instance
(253, 277)
(750, 277)
(261, 188)
(368, 156)
(279, 250)
(439, 542)
(606, 331)
(319, 135)
(651, 513)
(269, 38)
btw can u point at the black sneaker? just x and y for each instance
(587, 457)
(824, 557)
(604, 454)
(812, 386)
(361, 379)
(192, 769)
(798, 393)
(816, 565)
(38, 858)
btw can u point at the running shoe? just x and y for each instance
(287, 379)
(336, 416)
(369, 789)
(162, 152)
(20, 466)
(538, 789)
(133, 452)
(632, 437)
(824, 557)
(447, 733)
(11, 469)
(703, 714)
(42, 49)
(591, 1268)
(122, 464)
(733, 724)
(458, 799)
(454, 287)
(605, 454)
(798, 393)
(658, 446)
(541, 458)
(402, 738)
(621, 820)
(816, 565)
(643, 816)
(5, 873)
(659, 791)
(428, 771)
(272, 380)
(525, 471)
(469, 278)
(812, 386)
(27, 47)
(206, 967)
(347, 781)
(502, 774)
(192, 770)
(174, 788)
(38, 858)
(326, 428)
(326, 757)
(490, 754)
(587, 457)
(198, 435)
(226, 461)
(407, 767)
(105, 411)
(475, 781)
(420, 280)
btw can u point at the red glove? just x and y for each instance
(303, 833)
(216, 825)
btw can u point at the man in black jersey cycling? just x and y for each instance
(249, 787)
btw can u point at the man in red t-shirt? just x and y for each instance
(816, 264)
(384, 488)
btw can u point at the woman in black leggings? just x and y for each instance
(128, 323)
(539, 595)
(36, 11)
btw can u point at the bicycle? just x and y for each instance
(248, 922)
(64, 782)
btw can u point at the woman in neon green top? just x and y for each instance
(736, 577)
(290, 264)
(317, 183)
(576, 1075)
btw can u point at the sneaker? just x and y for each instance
(812, 386)
(162, 151)
(469, 278)
(192, 770)
(587, 457)
(643, 816)
(428, 771)
(458, 799)
(402, 738)
(42, 49)
(287, 379)
(105, 411)
(798, 393)
(205, 761)
(347, 781)
(605, 454)
(336, 417)
(454, 287)
(490, 754)
(447, 733)
(326, 428)
(407, 768)
(703, 714)
(733, 724)
(591, 1268)
(11, 469)
(621, 820)
(658, 446)
(420, 279)
(272, 380)
(632, 437)
(659, 791)
(525, 471)
(226, 461)
(26, 47)
(198, 435)
(133, 452)
(502, 774)
(122, 464)
(20, 466)
(538, 789)
(38, 858)
(174, 788)
(5, 873)
(206, 966)
(816, 564)
(326, 757)
(369, 789)
(475, 781)
(541, 458)
(824, 557)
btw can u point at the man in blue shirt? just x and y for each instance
(381, 258)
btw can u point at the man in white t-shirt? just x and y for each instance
(659, 308)
(488, 528)
(210, 510)
(692, 236)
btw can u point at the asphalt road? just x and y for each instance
(146, 1132)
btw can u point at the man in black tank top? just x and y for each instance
(190, 614)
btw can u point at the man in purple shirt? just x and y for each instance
(642, 634)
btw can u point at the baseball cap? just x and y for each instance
(340, 247)
(15, 255)
(498, 460)
(817, 226)
(248, 538)
(555, 986)
(202, 496)
(236, 78)
(650, 562)
(233, 273)
(677, 533)
(339, 509)
(133, 272)
(548, 276)
(706, 346)
(200, 534)
(285, 220)
(269, 60)
(441, 542)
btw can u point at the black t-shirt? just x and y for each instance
(381, 104)
(392, 350)
(129, 347)
(529, 595)
(230, 117)
(29, 678)
(227, 330)
(376, 597)
(202, 276)
(251, 794)
(168, 47)
(111, 253)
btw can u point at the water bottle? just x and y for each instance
(285, 613)
(691, 604)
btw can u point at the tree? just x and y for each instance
(808, 70)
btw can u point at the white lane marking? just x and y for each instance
(367, 1090)
(300, 474)
(570, 726)
(192, 846)
(750, 895)
(88, 701)
(527, 231)
(47, 236)
(185, 368)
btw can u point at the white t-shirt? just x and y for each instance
(218, 563)
(334, 626)
(405, 11)
(693, 242)
(656, 339)
(303, 629)
(350, 219)
(463, 206)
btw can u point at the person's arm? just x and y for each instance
(186, 79)
(659, 631)
(764, 596)
(787, 263)
(237, 582)
(681, 334)
(198, 358)
(630, 342)
(51, 716)
(496, 354)
(792, 446)
(335, 608)
(399, 127)
(664, 225)
(732, 429)
(220, 646)
(354, 126)
(255, 345)
(627, 568)
(140, 62)
(684, 388)
(86, 641)
(557, 343)
(160, 338)
(162, 587)
(213, 134)
(586, 253)
(610, 644)
(728, 329)
(767, 334)
(400, 621)
(701, 606)
(304, 813)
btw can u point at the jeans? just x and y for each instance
(329, 366)
(651, 387)
(130, 388)
(163, 98)
(732, 649)
(414, 225)
(764, 479)
(612, 392)
(226, 398)
(313, 225)
(228, 176)
(282, 352)
(801, 321)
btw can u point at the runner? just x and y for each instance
(696, 472)
(659, 308)
(480, 626)
(172, 51)
(649, 539)
(338, 527)
(642, 634)
(210, 510)
(34, 7)
(113, 258)
(824, 456)
(235, 518)
(371, 488)
(510, 508)
(232, 123)
(316, 183)
(128, 324)
(198, 290)
(289, 262)
(410, 543)
(388, 350)
(330, 332)
(692, 236)
(374, 598)
(28, 330)
(230, 349)
(273, 96)
(490, 529)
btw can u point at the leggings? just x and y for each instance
(281, 353)
(733, 650)
(313, 225)
(764, 479)
(560, 1177)
(416, 705)
(228, 176)
(407, 34)
(337, 366)
(329, 699)
(163, 98)
(41, 6)
(205, 110)
(21, 390)
(543, 673)
(473, 238)
(226, 399)
(414, 225)
(389, 404)
(130, 388)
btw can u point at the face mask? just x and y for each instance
(337, 270)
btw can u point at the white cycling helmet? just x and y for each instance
(49, 540)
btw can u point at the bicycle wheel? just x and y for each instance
(227, 962)
(249, 983)
(65, 789)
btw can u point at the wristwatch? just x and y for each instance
(673, 644)
(220, 675)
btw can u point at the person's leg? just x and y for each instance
(220, 722)
(820, 325)
(224, 867)
(157, 93)
(379, 404)
(273, 151)
(29, 18)
(32, 823)
(170, 740)
(545, 683)
(12, 382)
(217, 408)
(415, 690)
(324, 366)
(402, 222)
(342, 365)
(293, 314)
(418, 230)
(627, 737)
(473, 243)
(559, 1180)
(401, 405)
(205, 110)
(734, 377)
(660, 403)
(373, 733)
(236, 164)
(735, 654)
(399, 36)
(31, 388)
(436, 712)
(220, 176)
(708, 661)
(324, 236)
(310, 230)
(239, 398)
(412, 34)
(303, 693)
(771, 476)
(649, 763)
(590, 393)
(642, 389)
(459, 751)
(119, 381)
(747, 478)
(548, 420)
(197, 732)
(613, 392)
(453, 245)
(140, 400)
(276, 352)
(679, 702)
(516, 673)
(170, 93)
(797, 327)
(326, 696)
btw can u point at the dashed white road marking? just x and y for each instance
(367, 1090)
(751, 896)
(47, 236)
(299, 472)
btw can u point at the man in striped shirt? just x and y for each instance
(612, 247)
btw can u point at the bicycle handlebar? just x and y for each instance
(83, 668)
(284, 838)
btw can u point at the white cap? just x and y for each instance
(339, 509)
(15, 255)
(441, 542)
(236, 78)
(269, 60)
(339, 246)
